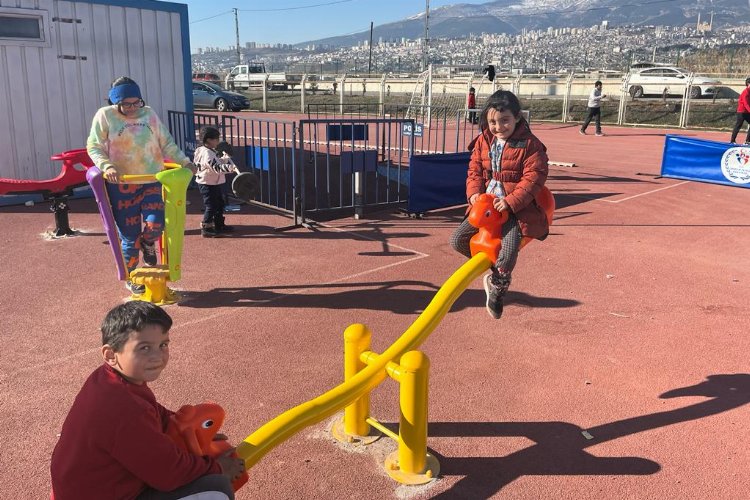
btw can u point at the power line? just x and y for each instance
(296, 8)
(217, 15)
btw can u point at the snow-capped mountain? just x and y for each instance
(512, 16)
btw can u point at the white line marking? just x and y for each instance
(649, 192)
(57, 361)
(64, 359)
(627, 198)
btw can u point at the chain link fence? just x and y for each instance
(548, 97)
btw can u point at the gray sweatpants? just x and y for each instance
(506, 259)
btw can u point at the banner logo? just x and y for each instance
(735, 165)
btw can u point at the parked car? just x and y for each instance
(656, 79)
(207, 77)
(210, 95)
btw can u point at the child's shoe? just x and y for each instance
(208, 230)
(495, 287)
(220, 226)
(135, 288)
(149, 253)
(494, 300)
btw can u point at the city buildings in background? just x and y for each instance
(549, 50)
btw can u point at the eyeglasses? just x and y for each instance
(129, 105)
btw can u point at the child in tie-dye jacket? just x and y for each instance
(127, 137)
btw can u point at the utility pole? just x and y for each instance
(426, 44)
(369, 63)
(237, 32)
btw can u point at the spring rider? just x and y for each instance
(174, 181)
(483, 216)
(193, 428)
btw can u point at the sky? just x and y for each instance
(294, 21)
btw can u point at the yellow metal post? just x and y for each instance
(276, 431)
(356, 341)
(412, 428)
(412, 464)
(354, 428)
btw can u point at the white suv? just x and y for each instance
(655, 80)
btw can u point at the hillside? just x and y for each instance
(512, 16)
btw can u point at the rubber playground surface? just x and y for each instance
(619, 369)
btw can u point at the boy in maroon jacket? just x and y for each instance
(113, 442)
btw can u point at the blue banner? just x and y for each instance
(437, 181)
(706, 161)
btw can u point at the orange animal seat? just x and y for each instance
(193, 428)
(489, 238)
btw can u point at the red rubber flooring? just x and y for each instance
(618, 371)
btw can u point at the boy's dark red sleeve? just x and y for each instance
(142, 447)
(164, 414)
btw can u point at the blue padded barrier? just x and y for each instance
(437, 181)
(706, 161)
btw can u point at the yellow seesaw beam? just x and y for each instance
(276, 431)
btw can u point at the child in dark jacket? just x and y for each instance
(508, 161)
(113, 442)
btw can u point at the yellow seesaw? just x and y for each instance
(365, 370)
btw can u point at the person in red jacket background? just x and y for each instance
(113, 443)
(471, 104)
(507, 160)
(743, 113)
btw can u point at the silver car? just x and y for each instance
(657, 80)
(210, 95)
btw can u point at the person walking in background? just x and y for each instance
(471, 103)
(595, 110)
(743, 113)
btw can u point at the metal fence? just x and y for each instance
(550, 97)
(431, 123)
(354, 163)
(184, 127)
(315, 166)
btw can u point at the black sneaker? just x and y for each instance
(149, 253)
(223, 228)
(209, 231)
(494, 297)
(135, 288)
